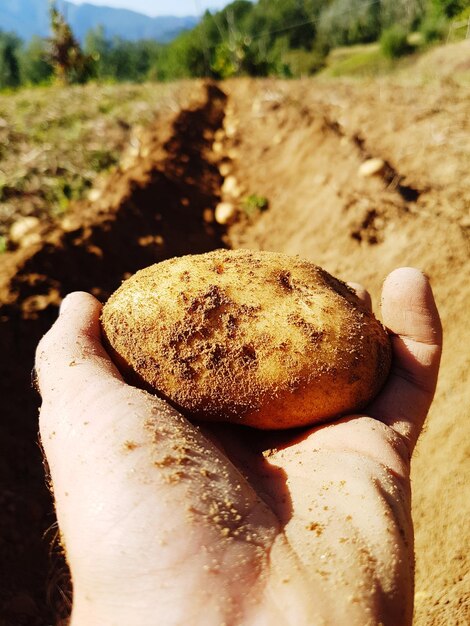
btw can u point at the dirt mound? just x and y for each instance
(306, 158)
(445, 62)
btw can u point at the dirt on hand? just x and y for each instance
(294, 155)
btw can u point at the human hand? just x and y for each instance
(166, 522)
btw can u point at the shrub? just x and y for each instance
(394, 42)
(434, 28)
(9, 64)
(346, 22)
(365, 60)
(449, 8)
(304, 62)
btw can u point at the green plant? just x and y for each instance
(449, 8)
(394, 42)
(304, 62)
(3, 244)
(35, 69)
(362, 60)
(434, 28)
(64, 191)
(346, 22)
(253, 204)
(464, 15)
(100, 160)
(9, 64)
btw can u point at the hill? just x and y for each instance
(27, 18)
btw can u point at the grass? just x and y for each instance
(362, 60)
(303, 62)
(55, 141)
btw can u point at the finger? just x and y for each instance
(124, 464)
(71, 355)
(410, 313)
(362, 294)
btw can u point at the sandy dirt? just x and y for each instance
(300, 145)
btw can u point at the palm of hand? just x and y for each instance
(151, 509)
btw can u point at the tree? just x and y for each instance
(119, 59)
(404, 13)
(294, 19)
(98, 47)
(9, 63)
(449, 8)
(346, 22)
(69, 62)
(33, 62)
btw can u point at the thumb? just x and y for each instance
(410, 314)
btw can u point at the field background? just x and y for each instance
(110, 178)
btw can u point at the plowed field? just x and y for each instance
(298, 147)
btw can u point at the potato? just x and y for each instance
(255, 338)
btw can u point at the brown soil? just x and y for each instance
(149, 212)
(300, 145)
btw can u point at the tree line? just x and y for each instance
(269, 37)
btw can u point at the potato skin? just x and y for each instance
(255, 338)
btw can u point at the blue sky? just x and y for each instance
(161, 7)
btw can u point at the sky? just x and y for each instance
(161, 7)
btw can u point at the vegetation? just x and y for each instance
(65, 55)
(254, 204)
(268, 37)
(56, 141)
(9, 61)
(449, 8)
(118, 59)
(360, 60)
(394, 42)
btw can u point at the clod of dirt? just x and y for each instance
(371, 167)
(225, 213)
(23, 232)
(95, 194)
(219, 135)
(208, 216)
(225, 169)
(231, 187)
(230, 129)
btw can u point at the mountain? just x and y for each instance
(30, 17)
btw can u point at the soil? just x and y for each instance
(299, 145)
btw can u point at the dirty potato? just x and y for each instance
(255, 338)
